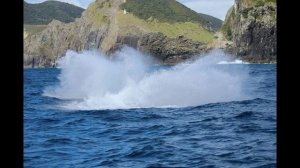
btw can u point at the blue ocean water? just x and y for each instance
(225, 134)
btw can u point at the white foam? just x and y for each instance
(126, 80)
(237, 61)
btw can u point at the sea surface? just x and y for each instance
(226, 134)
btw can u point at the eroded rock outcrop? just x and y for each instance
(166, 50)
(170, 50)
(251, 25)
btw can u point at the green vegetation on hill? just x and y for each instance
(132, 24)
(33, 29)
(190, 30)
(163, 10)
(97, 12)
(215, 22)
(227, 26)
(44, 13)
(257, 2)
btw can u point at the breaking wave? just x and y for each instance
(130, 79)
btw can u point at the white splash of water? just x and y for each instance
(237, 61)
(128, 80)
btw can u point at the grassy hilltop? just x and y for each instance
(44, 13)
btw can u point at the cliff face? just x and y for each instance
(251, 25)
(85, 33)
(105, 27)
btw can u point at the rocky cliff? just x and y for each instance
(166, 50)
(251, 25)
(106, 26)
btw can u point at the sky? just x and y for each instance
(216, 8)
(81, 3)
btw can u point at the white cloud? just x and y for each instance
(216, 8)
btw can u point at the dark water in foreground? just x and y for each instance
(230, 134)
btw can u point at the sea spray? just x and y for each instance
(128, 80)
